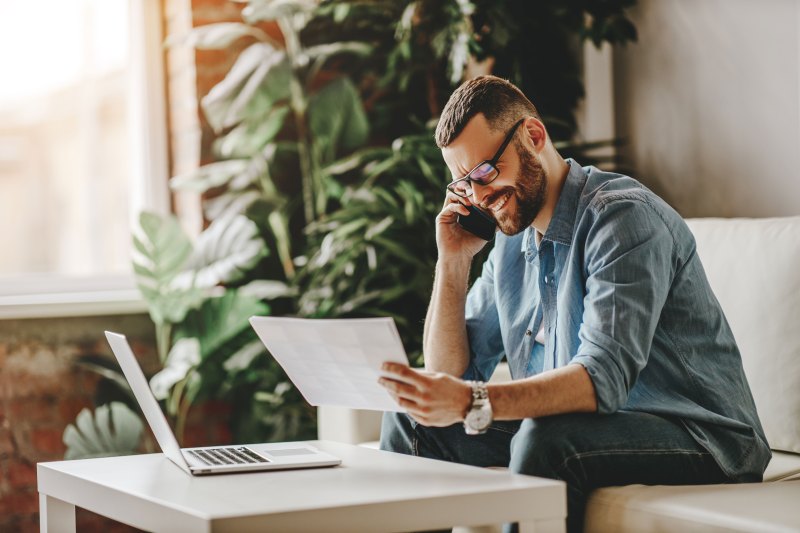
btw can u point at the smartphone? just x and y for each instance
(478, 223)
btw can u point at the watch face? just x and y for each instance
(479, 419)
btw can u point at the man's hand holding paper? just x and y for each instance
(335, 361)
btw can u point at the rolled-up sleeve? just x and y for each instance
(629, 258)
(483, 325)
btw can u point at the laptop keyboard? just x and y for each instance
(227, 456)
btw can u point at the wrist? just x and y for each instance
(466, 396)
(454, 266)
(479, 417)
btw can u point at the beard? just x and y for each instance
(528, 194)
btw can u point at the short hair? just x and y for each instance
(499, 100)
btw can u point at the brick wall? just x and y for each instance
(41, 389)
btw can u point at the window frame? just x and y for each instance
(55, 295)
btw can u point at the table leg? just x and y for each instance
(55, 516)
(543, 526)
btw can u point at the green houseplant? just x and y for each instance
(375, 254)
(279, 116)
(323, 196)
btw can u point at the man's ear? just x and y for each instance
(536, 133)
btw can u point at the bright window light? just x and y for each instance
(81, 141)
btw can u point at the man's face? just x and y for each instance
(525, 196)
(517, 195)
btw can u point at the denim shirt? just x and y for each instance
(618, 286)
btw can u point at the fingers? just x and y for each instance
(404, 373)
(451, 197)
(409, 388)
(420, 413)
(407, 397)
(455, 204)
(402, 390)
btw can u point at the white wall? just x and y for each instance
(709, 102)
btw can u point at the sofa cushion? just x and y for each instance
(783, 466)
(762, 507)
(753, 266)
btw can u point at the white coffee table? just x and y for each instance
(370, 491)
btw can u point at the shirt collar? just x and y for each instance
(566, 211)
(563, 221)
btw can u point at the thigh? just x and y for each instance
(590, 450)
(401, 433)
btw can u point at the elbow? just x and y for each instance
(446, 368)
(587, 393)
(607, 389)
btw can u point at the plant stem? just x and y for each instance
(299, 105)
(163, 333)
(181, 405)
(181, 417)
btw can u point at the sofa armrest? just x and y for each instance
(355, 426)
(352, 426)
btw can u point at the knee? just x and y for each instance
(398, 433)
(539, 448)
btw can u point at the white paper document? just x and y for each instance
(335, 361)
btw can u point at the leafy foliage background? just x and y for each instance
(322, 200)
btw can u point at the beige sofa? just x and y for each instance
(754, 268)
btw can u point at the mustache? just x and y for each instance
(496, 196)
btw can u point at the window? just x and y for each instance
(82, 151)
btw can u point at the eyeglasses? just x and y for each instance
(484, 172)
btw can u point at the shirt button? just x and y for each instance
(528, 333)
(546, 280)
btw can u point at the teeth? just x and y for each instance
(497, 206)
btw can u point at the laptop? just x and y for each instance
(212, 459)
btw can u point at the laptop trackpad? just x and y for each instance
(286, 452)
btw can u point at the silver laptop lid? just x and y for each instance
(141, 390)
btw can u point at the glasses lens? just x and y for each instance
(461, 187)
(483, 173)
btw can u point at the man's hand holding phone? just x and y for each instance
(451, 236)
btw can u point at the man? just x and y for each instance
(625, 369)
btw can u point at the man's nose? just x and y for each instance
(480, 192)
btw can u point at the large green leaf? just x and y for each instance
(261, 10)
(221, 319)
(162, 250)
(357, 160)
(113, 430)
(230, 204)
(337, 118)
(210, 175)
(265, 289)
(252, 135)
(224, 252)
(319, 54)
(242, 358)
(323, 52)
(182, 358)
(216, 36)
(279, 224)
(260, 70)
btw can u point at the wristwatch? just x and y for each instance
(479, 416)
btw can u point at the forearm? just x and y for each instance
(563, 390)
(445, 343)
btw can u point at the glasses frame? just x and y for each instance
(492, 162)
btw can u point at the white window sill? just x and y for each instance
(49, 296)
(66, 304)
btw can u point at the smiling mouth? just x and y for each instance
(497, 205)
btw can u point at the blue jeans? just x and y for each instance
(587, 451)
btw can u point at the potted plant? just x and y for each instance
(323, 196)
